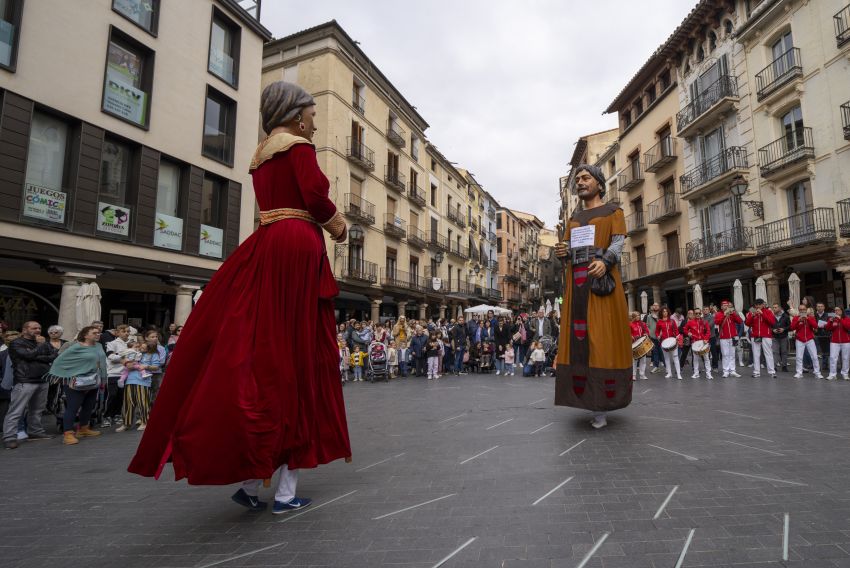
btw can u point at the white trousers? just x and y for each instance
(766, 347)
(706, 359)
(671, 361)
(813, 353)
(639, 368)
(727, 356)
(285, 485)
(836, 349)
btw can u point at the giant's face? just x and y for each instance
(586, 186)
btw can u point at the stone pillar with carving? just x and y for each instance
(183, 304)
(443, 309)
(376, 311)
(71, 282)
(402, 309)
(771, 282)
(423, 311)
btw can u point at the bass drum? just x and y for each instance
(700, 347)
(641, 347)
(670, 344)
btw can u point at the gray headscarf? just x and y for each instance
(595, 172)
(281, 102)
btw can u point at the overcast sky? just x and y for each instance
(507, 87)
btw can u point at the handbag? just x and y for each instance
(517, 336)
(85, 382)
(602, 286)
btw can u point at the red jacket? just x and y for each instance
(840, 329)
(666, 329)
(761, 322)
(639, 329)
(697, 330)
(804, 327)
(728, 324)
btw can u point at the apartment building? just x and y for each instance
(124, 161)
(508, 233)
(531, 285)
(481, 219)
(551, 268)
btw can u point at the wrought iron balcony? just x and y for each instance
(665, 207)
(394, 226)
(483, 232)
(491, 236)
(359, 269)
(511, 276)
(394, 179)
(809, 227)
(845, 119)
(635, 223)
(395, 134)
(613, 196)
(358, 102)
(360, 154)
(493, 264)
(630, 176)
(663, 153)
(494, 294)
(714, 171)
(460, 250)
(416, 194)
(456, 218)
(438, 242)
(474, 254)
(788, 150)
(716, 98)
(842, 26)
(416, 238)
(394, 278)
(473, 222)
(666, 261)
(358, 208)
(844, 217)
(735, 240)
(782, 70)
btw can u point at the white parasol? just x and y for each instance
(738, 296)
(88, 304)
(794, 290)
(644, 302)
(697, 296)
(484, 308)
(548, 307)
(761, 289)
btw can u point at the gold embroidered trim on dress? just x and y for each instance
(273, 215)
(335, 226)
(272, 145)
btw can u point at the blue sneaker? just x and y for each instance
(251, 502)
(297, 503)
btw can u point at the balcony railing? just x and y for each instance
(661, 154)
(359, 208)
(359, 269)
(394, 226)
(842, 26)
(783, 69)
(474, 254)
(438, 241)
(492, 237)
(473, 222)
(735, 240)
(845, 119)
(844, 217)
(360, 154)
(666, 261)
(664, 207)
(494, 294)
(791, 148)
(456, 218)
(416, 238)
(494, 264)
(395, 278)
(635, 223)
(417, 194)
(394, 179)
(726, 160)
(630, 176)
(395, 134)
(358, 102)
(809, 227)
(460, 250)
(613, 196)
(511, 276)
(726, 87)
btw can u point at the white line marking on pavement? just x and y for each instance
(536, 401)
(765, 478)
(572, 448)
(664, 504)
(478, 455)
(541, 428)
(685, 549)
(379, 463)
(754, 448)
(500, 423)
(646, 391)
(415, 506)
(690, 458)
(785, 537)
(452, 418)
(667, 419)
(593, 550)
(738, 414)
(748, 436)
(819, 432)
(564, 482)
(449, 557)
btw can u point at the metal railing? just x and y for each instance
(416, 193)
(460, 250)
(438, 241)
(780, 71)
(456, 218)
(491, 236)
(358, 102)
(474, 254)
(736, 239)
(842, 26)
(808, 227)
(728, 159)
(845, 119)
(725, 87)
(844, 217)
(394, 226)
(792, 147)
(661, 154)
(511, 276)
(395, 134)
(666, 261)
(359, 208)
(493, 264)
(494, 294)
(664, 207)
(473, 222)
(359, 269)
(416, 237)
(360, 153)
(635, 223)
(630, 176)
(399, 279)
(394, 179)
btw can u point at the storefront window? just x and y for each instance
(113, 217)
(168, 228)
(45, 197)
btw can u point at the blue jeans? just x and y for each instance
(500, 365)
(521, 351)
(358, 372)
(656, 352)
(402, 368)
(459, 359)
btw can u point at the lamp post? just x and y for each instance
(439, 257)
(738, 188)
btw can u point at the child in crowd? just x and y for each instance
(136, 378)
(358, 358)
(538, 358)
(432, 352)
(403, 358)
(509, 360)
(344, 357)
(392, 360)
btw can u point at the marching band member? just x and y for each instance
(761, 320)
(639, 329)
(727, 319)
(667, 329)
(698, 330)
(804, 325)
(839, 325)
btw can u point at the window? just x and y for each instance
(392, 265)
(414, 147)
(219, 127)
(650, 95)
(499, 245)
(128, 79)
(10, 32)
(792, 129)
(113, 215)
(638, 107)
(45, 197)
(224, 48)
(712, 42)
(143, 13)
(498, 222)
(433, 195)
(627, 118)
(356, 187)
(168, 226)
(433, 165)
(665, 80)
(213, 202)
(414, 270)
(357, 99)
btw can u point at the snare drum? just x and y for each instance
(670, 344)
(641, 347)
(700, 347)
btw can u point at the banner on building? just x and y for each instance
(121, 95)
(168, 232)
(212, 240)
(44, 203)
(113, 219)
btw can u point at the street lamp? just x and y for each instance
(439, 257)
(738, 188)
(477, 269)
(355, 233)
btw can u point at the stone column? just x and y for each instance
(656, 294)
(771, 282)
(183, 305)
(423, 311)
(376, 310)
(443, 309)
(402, 308)
(71, 282)
(630, 297)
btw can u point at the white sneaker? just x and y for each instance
(709, 377)
(498, 373)
(695, 376)
(725, 375)
(645, 378)
(599, 422)
(798, 376)
(121, 428)
(668, 376)
(845, 377)
(756, 375)
(831, 378)
(22, 435)
(735, 374)
(818, 376)
(679, 377)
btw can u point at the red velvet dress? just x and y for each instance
(254, 381)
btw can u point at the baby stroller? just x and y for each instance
(551, 349)
(378, 366)
(487, 350)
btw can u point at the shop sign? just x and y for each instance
(436, 284)
(44, 203)
(168, 232)
(212, 240)
(113, 219)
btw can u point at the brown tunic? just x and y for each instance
(594, 363)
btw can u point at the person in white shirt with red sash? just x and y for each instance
(761, 320)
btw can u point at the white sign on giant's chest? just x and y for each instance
(582, 236)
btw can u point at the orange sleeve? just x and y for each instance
(618, 223)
